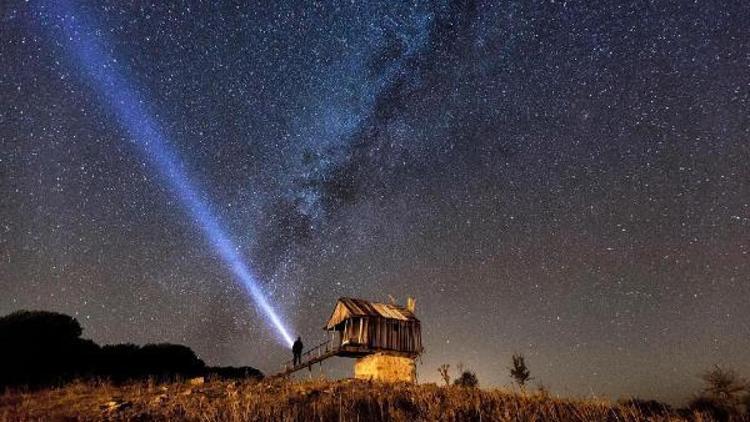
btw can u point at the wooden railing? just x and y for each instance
(313, 355)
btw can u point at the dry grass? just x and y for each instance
(316, 400)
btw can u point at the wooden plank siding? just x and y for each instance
(378, 333)
(374, 326)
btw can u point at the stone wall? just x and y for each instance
(386, 367)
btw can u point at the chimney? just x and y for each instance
(411, 303)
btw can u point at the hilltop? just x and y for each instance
(322, 400)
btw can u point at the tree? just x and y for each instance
(443, 371)
(42, 349)
(520, 372)
(35, 326)
(722, 394)
(467, 379)
(724, 384)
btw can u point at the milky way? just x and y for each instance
(553, 178)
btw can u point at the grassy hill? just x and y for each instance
(318, 400)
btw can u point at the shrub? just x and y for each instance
(443, 370)
(467, 379)
(520, 372)
(648, 407)
(716, 409)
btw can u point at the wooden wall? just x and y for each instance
(383, 334)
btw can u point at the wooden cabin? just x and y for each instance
(384, 337)
(372, 326)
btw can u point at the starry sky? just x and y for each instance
(566, 181)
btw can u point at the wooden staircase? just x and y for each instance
(319, 353)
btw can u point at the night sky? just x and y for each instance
(555, 178)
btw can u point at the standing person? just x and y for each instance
(297, 351)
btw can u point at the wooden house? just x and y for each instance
(384, 337)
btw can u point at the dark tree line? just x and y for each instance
(39, 349)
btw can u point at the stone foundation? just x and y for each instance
(385, 367)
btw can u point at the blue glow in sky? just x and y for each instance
(130, 109)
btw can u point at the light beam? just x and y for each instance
(102, 71)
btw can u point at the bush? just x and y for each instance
(122, 362)
(648, 407)
(467, 379)
(231, 372)
(710, 406)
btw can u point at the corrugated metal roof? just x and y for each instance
(347, 307)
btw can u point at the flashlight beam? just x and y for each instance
(101, 70)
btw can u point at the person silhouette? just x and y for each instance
(297, 351)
